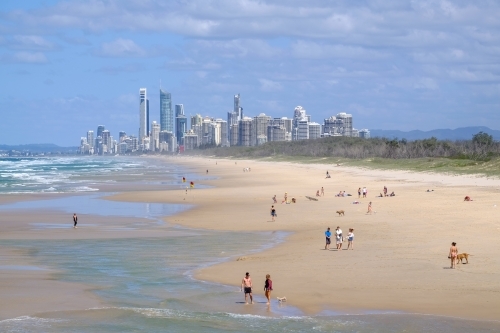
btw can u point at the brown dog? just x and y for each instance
(340, 212)
(463, 256)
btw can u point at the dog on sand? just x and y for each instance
(340, 212)
(462, 256)
(281, 299)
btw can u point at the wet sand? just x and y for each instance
(400, 258)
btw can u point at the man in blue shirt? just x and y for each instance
(328, 234)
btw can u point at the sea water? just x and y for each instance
(147, 284)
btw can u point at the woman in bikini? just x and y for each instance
(453, 254)
(268, 287)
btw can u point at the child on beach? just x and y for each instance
(453, 254)
(274, 199)
(328, 235)
(268, 287)
(350, 239)
(369, 208)
(273, 213)
(322, 191)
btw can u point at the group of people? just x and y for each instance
(339, 238)
(247, 286)
(363, 191)
(343, 194)
(385, 193)
(322, 193)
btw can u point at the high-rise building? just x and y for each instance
(122, 136)
(347, 119)
(260, 124)
(234, 135)
(106, 142)
(166, 111)
(224, 138)
(155, 136)
(196, 120)
(190, 140)
(232, 119)
(276, 133)
(143, 114)
(100, 128)
(90, 138)
(302, 130)
(237, 107)
(180, 122)
(314, 131)
(245, 132)
(300, 116)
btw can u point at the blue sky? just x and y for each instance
(68, 66)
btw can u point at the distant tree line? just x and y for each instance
(481, 147)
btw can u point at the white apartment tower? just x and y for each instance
(155, 136)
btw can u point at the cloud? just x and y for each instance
(29, 42)
(25, 57)
(120, 48)
(269, 85)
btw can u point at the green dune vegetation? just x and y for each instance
(480, 155)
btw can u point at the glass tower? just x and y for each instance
(166, 112)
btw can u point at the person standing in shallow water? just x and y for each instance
(246, 286)
(268, 287)
(75, 220)
(273, 213)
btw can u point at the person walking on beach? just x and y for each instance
(274, 199)
(350, 239)
(75, 220)
(322, 191)
(453, 254)
(339, 238)
(328, 236)
(369, 208)
(268, 287)
(246, 286)
(385, 191)
(365, 191)
(359, 192)
(273, 213)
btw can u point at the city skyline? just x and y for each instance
(401, 65)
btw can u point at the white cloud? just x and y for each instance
(269, 85)
(121, 48)
(30, 42)
(25, 57)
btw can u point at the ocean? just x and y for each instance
(147, 284)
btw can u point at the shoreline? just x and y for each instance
(384, 299)
(234, 204)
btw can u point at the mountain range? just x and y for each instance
(462, 133)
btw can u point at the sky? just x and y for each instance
(68, 66)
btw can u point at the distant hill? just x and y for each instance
(463, 133)
(38, 148)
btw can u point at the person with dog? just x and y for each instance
(328, 235)
(273, 213)
(350, 239)
(453, 255)
(246, 286)
(339, 238)
(268, 287)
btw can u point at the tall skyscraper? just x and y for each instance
(180, 123)
(90, 138)
(100, 129)
(166, 111)
(237, 107)
(143, 115)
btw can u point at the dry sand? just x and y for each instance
(400, 258)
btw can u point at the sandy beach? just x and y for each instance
(399, 261)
